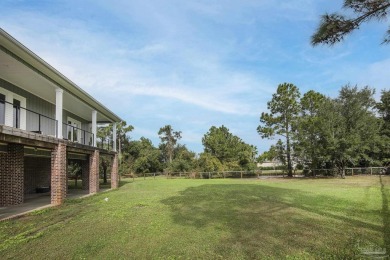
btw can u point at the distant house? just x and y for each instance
(45, 120)
(270, 164)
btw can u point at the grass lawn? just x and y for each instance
(210, 219)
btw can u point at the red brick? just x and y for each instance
(114, 173)
(12, 175)
(58, 174)
(94, 172)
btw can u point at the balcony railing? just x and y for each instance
(35, 122)
(77, 135)
(41, 124)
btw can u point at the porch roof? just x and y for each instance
(22, 67)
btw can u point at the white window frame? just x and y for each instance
(78, 125)
(9, 108)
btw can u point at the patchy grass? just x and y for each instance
(210, 219)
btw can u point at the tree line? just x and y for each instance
(222, 151)
(311, 131)
(319, 132)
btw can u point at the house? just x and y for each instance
(270, 164)
(45, 121)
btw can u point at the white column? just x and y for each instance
(59, 109)
(94, 126)
(114, 137)
(9, 109)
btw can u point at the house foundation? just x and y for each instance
(12, 175)
(58, 174)
(94, 172)
(114, 173)
(31, 165)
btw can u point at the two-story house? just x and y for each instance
(45, 120)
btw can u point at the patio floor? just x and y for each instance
(36, 201)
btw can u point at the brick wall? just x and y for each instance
(12, 175)
(114, 173)
(94, 172)
(58, 174)
(36, 173)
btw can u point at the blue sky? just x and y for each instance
(195, 64)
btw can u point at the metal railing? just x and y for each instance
(35, 122)
(77, 135)
(45, 125)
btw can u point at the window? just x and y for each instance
(74, 130)
(12, 109)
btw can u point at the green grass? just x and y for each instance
(210, 219)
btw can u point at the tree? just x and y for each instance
(169, 139)
(143, 156)
(105, 135)
(74, 171)
(121, 131)
(333, 27)
(384, 111)
(349, 128)
(183, 161)
(209, 163)
(284, 108)
(384, 108)
(105, 163)
(309, 129)
(230, 150)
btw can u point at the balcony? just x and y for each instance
(31, 121)
(77, 135)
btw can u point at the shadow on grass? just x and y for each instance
(263, 221)
(385, 215)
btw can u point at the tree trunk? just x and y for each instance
(343, 172)
(289, 165)
(104, 173)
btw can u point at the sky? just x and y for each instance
(195, 64)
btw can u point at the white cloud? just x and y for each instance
(191, 64)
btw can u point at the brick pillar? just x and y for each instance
(58, 174)
(94, 172)
(85, 174)
(12, 176)
(114, 173)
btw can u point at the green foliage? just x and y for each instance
(329, 133)
(74, 170)
(209, 163)
(334, 27)
(349, 127)
(169, 139)
(183, 161)
(143, 156)
(282, 119)
(105, 133)
(308, 146)
(384, 111)
(104, 164)
(230, 150)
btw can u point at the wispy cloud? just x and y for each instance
(190, 64)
